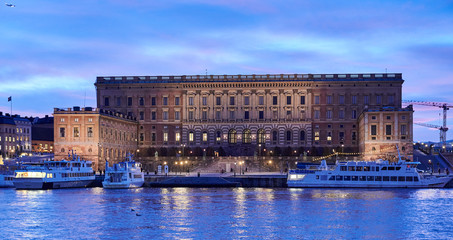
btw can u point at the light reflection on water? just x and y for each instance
(226, 213)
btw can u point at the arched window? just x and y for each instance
(247, 136)
(218, 137)
(232, 136)
(302, 136)
(288, 136)
(191, 137)
(274, 137)
(261, 136)
(205, 137)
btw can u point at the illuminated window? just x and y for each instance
(191, 137)
(76, 132)
(218, 137)
(165, 137)
(76, 119)
(261, 136)
(232, 136)
(329, 136)
(247, 136)
(178, 137)
(316, 136)
(205, 137)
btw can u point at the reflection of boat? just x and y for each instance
(378, 174)
(55, 174)
(127, 174)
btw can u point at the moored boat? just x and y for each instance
(127, 174)
(55, 174)
(365, 174)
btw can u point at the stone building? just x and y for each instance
(42, 134)
(7, 137)
(23, 135)
(382, 129)
(94, 134)
(289, 114)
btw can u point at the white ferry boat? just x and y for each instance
(127, 174)
(55, 174)
(376, 174)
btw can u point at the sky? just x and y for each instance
(52, 51)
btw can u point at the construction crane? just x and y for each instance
(443, 129)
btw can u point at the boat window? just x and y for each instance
(409, 179)
(384, 168)
(398, 168)
(358, 168)
(385, 178)
(339, 178)
(372, 168)
(415, 179)
(401, 179)
(350, 168)
(332, 178)
(391, 168)
(323, 177)
(355, 178)
(366, 169)
(370, 178)
(362, 178)
(343, 168)
(393, 178)
(378, 178)
(347, 178)
(317, 176)
(377, 169)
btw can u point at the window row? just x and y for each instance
(154, 101)
(232, 100)
(354, 99)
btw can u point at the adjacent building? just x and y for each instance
(7, 137)
(382, 129)
(23, 135)
(94, 134)
(42, 135)
(249, 114)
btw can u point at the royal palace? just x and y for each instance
(276, 114)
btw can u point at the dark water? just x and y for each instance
(226, 213)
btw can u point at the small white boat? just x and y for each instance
(55, 174)
(365, 174)
(127, 174)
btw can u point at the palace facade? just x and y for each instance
(252, 114)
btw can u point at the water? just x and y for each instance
(226, 213)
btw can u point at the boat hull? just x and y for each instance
(310, 182)
(37, 184)
(122, 185)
